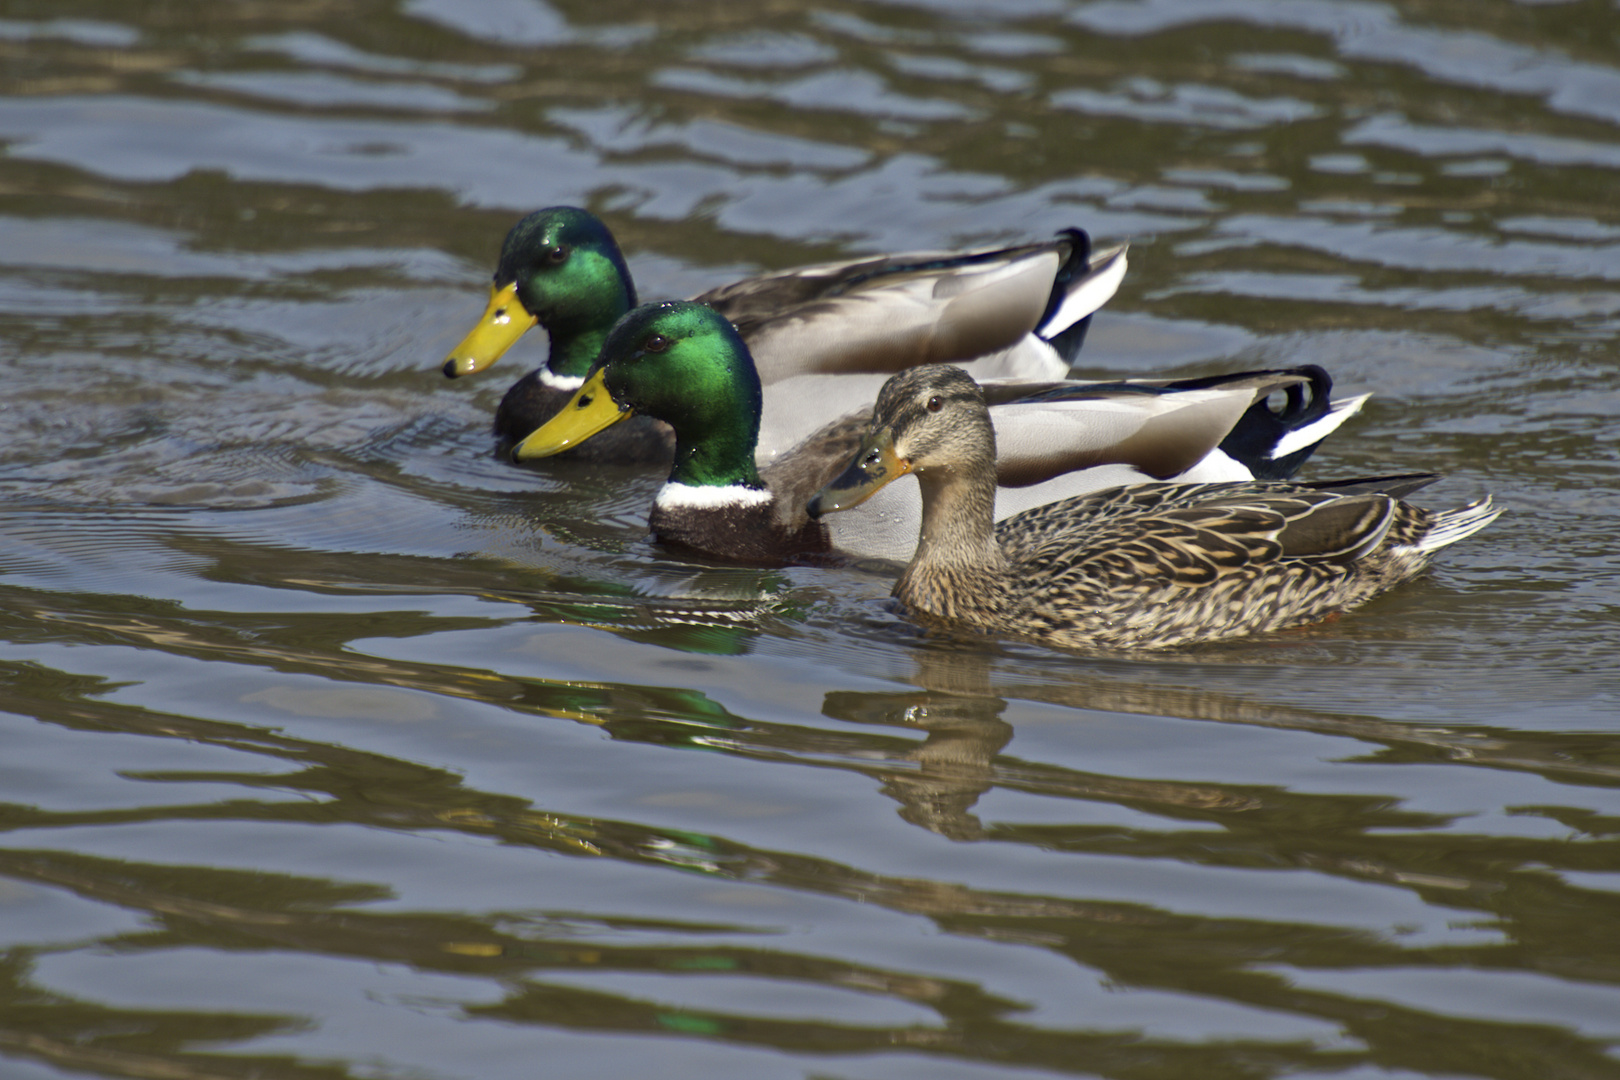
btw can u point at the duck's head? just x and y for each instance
(929, 421)
(679, 362)
(560, 267)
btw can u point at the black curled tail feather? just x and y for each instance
(1067, 343)
(1254, 439)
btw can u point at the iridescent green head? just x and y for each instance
(559, 267)
(568, 268)
(682, 363)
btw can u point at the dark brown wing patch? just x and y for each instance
(1345, 529)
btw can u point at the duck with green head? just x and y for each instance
(686, 365)
(1146, 566)
(1018, 311)
(559, 268)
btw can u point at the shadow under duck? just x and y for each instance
(1015, 311)
(1139, 567)
(684, 364)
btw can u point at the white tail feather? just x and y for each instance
(1451, 526)
(1338, 412)
(1091, 292)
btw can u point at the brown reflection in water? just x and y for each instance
(935, 749)
(936, 781)
(964, 734)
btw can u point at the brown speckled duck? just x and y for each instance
(1018, 311)
(1136, 567)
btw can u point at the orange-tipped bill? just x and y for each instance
(503, 322)
(875, 465)
(590, 410)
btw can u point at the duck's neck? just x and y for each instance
(714, 500)
(714, 463)
(957, 554)
(715, 441)
(573, 350)
(578, 329)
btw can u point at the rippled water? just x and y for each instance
(337, 748)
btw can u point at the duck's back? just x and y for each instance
(996, 309)
(1159, 564)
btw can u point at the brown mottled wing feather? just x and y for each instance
(1345, 529)
(1184, 561)
(813, 464)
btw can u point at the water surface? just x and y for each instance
(337, 748)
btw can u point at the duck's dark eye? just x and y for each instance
(557, 255)
(655, 343)
(935, 403)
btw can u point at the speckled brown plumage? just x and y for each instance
(1163, 564)
(1139, 567)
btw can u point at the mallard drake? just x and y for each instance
(1012, 311)
(686, 365)
(1139, 567)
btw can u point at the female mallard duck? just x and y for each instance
(1134, 567)
(1015, 311)
(684, 364)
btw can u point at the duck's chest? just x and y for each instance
(738, 531)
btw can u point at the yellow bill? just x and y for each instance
(503, 322)
(874, 466)
(590, 410)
